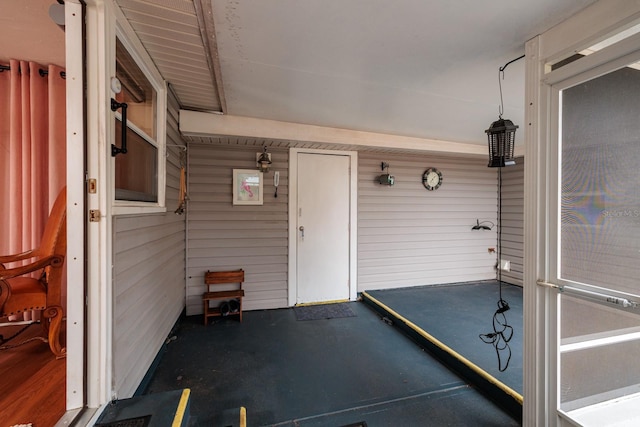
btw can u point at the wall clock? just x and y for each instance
(432, 179)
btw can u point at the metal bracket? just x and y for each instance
(594, 295)
(94, 215)
(550, 285)
(92, 186)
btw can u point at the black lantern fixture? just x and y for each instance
(263, 160)
(502, 133)
(502, 137)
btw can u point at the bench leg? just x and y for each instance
(204, 311)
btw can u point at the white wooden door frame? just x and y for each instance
(99, 51)
(582, 30)
(353, 220)
(76, 213)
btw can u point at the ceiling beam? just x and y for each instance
(204, 13)
(201, 124)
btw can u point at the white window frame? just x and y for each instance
(128, 38)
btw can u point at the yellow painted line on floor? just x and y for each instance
(182, 407)
(305, 304)
(484, 374)
(243, 416)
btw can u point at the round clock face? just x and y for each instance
(432, 179)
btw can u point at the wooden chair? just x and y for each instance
(20, 291)
(221, 278)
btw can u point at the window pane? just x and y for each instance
(600, 246)
(604, 369)
(137, 170)
(600, 205)
(580, 318)
(137, 92)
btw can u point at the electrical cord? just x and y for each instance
(501, 335)
(502, 332)
(4, 340)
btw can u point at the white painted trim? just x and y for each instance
(75, 259)
(612, 412)
(353, 225)
(100, 47)
(536, 340)
(136, 208)
(593, 24)
(617, 55)
(292, 281)
(541, 335)
(130, 41)
(353, 229)
(193, 123)
(601, 339)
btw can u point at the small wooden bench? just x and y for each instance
(222, 278)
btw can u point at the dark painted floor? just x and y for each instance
(457, 314)
(330, 372)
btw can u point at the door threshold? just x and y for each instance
(335, 301)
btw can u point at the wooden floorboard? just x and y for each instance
(32, 385)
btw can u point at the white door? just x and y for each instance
(586, 306)
(597, 230)
(323, 200)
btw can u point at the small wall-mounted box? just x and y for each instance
(386, 179)
(505, 265)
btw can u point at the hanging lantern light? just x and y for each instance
(502, 133)
(502, 136)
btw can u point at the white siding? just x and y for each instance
(513, 221)
(149, 276)
(223, 236)
(409, 236)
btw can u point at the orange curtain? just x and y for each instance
(32, 151)
(32, 147)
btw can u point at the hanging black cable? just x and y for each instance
(501, 139)
(502, 331)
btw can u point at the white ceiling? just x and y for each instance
(420, 68)
(417, 68)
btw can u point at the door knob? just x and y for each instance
(301, 228)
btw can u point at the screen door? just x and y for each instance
(598, 247)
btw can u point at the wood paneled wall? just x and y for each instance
(223, 236)
(513, 221)
(149, 276)
(408, 236)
